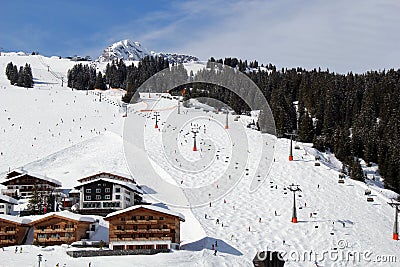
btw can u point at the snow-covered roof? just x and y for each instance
(66, 214)
(15, 219)
(127, 185)
(149, 207)
(36, 175)
(74, 191)
(113, 173)
(7, 199)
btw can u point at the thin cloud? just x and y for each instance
(340, 35)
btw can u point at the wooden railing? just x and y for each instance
(56, 239)
(59, 230)
(141, 231)
(7, 241)
(141, 222)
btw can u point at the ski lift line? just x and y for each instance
(48, 66)
(155, 110)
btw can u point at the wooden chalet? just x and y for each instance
(22, 184)
(61, 228)
(13, 230)
(144, 227)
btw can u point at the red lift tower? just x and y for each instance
(294, 188)
(396, 214)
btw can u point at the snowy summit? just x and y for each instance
(133, 51)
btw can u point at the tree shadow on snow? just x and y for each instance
(207, 242)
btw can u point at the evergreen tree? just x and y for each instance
(21, 78)
(28, 77)
(356, 171)
(9, 71)
(100, 84)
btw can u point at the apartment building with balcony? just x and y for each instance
(62, 227)
(13, 230)
(21, 184)
(104, 193)
(144, 227)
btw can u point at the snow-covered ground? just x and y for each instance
(67, 135)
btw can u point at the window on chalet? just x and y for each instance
(119, 227)
(107, 190)
(1, 206)
(141, 217)
(88, 190)
(151, 218)
(88, 197)
(108, 197)
(69, 235)
(99, 185)
(117, 190)
(117, 197)
(98, 190)
(123, 219)
(161, 218)
(55, 226)
(165, 226)
(98, 197)
(148, 227)
(135, 227)
(134, 218)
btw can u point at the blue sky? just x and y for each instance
(341, 35)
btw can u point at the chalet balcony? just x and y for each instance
(60, 230)
(142, 231)
(7, 241)
(13, 232)
(56, 239)
(9, 192)
(141, 222)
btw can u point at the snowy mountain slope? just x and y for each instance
(64, 154)
(124, 49)
(134, 51)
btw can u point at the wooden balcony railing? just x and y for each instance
(59, 230)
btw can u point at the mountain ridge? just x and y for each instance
(134, 51)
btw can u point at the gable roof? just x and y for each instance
(7, 199)
(35, 175)
(148, 207)
(127, 185)
(113, 173)
(62, 214)
(15, 219)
